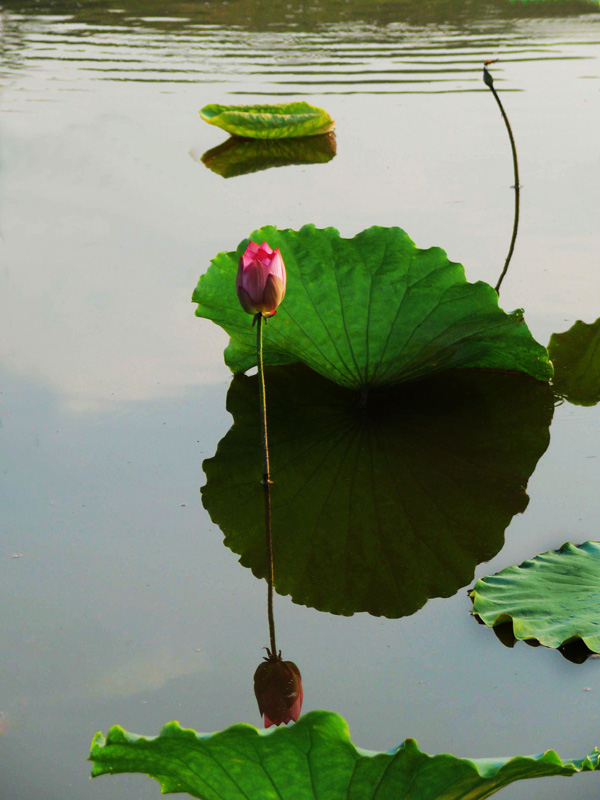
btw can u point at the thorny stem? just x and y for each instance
(487, 79)
(258, 319)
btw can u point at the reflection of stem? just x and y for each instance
(266, 476)
(487, 79)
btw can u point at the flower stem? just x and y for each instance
(266, 476)
(487, 79)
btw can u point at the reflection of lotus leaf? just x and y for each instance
(553, 598)
(269, 121)
(576, 358)
(371, 310)
(377, 508)
(239, 156)
(312, 760)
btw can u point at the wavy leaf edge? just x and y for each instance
(486, 768)
(499, 340)
(521, 629)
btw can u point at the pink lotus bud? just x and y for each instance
(278, 690)
(260, 281)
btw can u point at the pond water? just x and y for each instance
(120, 602)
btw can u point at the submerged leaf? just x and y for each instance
(576, 358)
(239, 156)
(552, 598)
(269, 121)
(370, 311)
(378, 503)
(313, 760)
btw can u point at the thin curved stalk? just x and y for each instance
(488, 80)
(266, 477)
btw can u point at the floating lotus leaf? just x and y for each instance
(576, 358)
(378, 503)
(274, 121)
(239, 156)
(553, 598)
(369, 311)
(311, 760)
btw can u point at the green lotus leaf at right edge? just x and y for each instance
(576, 358)
(551, 599)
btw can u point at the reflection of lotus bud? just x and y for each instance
(278, 690)
(260, 281)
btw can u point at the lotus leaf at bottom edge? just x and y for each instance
(312, 759)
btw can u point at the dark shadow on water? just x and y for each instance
(241, 156)
(504, 632)
(377, 506)
(575, 651)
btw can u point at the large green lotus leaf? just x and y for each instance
(239, 156)
(275, 121)
(377, 506)
(370, 310)
(576, 358)
(311, 760)
(553, 598)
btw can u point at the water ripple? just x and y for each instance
(338, 58)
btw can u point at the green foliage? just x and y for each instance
(576, 358)
(370, 311)
(552, 598)
(280, 14)
(312, 760)
(269, 121)
(239, 156)
(378, 505)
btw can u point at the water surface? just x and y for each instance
(120, 602)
